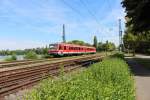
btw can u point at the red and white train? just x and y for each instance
(61, 49)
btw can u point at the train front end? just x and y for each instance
(53, 49)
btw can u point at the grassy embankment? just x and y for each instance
(107, 80)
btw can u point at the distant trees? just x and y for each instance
(100, 46)
(79, 42)
(108, 46)
(31, 55)
(39, 51)
(95, 44)
(44, 50)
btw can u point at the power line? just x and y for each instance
(108, 4)
(85, 4)
(72, 8)
(90, 12)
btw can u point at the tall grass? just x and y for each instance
(107, 80)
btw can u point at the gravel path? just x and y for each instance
(142, 78)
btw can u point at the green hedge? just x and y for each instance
(107, 80)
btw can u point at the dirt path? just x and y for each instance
(142, 78)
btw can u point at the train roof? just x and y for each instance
(68, 44)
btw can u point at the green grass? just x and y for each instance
(107, 80)
(145, 62)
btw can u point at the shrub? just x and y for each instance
(118, 55)
(31, 55)
(12, 58)
(107, 80)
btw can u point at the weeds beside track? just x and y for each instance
(107, 80)
(16, 79)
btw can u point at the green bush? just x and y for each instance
(118, 55)
(107, 80)
(12, 58)
(31, 55)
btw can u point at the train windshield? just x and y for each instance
(53, 46)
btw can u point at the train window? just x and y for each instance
(70, 48)
(60, 47)
(53, 46)
(65, 47)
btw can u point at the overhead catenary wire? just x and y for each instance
(85, 4)
(109, 4)
(72, 8)
(90, 12)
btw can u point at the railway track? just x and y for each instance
(14, 80)
(7, 64)
(27, 62)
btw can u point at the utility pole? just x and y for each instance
(120, 37)
(63, 36)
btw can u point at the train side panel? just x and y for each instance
(70, 49)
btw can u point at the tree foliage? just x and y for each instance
(40, 51)
(95, 44)
(108, 46)
(79, 42)
(31, 55)
(137, 34)
(137, 14)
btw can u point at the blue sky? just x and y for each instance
(36, 23)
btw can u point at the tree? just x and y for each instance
(130, 42)
(137, 36)
(108, 46)
(95, 44)
(137, 14)
(45, 50)
(100, 46)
